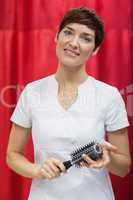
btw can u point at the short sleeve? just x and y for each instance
(116, 115)
(22, 113)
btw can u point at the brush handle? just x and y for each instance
(67, 164)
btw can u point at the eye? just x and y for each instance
(67, 32)
(86, 39)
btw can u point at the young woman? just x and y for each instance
(69, 109)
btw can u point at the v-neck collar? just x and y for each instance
(80, 89)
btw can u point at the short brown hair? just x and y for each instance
(86, 17)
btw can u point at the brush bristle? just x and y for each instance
(86, 149)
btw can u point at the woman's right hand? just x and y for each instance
(50, 169)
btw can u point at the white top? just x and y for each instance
(56, 133)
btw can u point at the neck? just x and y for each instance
(71, 76)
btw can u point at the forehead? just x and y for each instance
(80, 28)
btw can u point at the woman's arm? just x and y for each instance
(21, 165)
(120, 162)
(116, 155)
(15, 152)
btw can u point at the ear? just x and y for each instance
(96, 51)
(56, 37)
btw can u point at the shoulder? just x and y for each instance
(105, 90)
(106, 95)
(39, 84)
(35, 89)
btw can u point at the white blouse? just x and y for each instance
(56, 132)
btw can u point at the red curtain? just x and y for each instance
(27, 53)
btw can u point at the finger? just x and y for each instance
(81, 164)
(45, 174)
(84, 164)
(59, 164)
(103, 162)
(87, 159)
(109, 146)
(47, 168)
(54, 168)
(106, 157)
(97, 166)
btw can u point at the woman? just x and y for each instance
(68, 109)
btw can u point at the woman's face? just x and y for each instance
(75, 44)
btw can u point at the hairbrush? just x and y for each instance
(92, 149)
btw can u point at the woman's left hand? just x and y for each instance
(104, 161)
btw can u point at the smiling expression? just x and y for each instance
(75, 44)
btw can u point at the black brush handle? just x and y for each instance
(67, 164)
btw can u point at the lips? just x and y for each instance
(71, 52)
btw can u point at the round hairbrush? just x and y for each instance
(92, 149)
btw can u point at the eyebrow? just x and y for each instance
(84, 33)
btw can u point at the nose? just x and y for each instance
(74, 42)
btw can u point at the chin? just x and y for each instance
(70, 62)
(70, 65)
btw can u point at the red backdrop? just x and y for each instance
(27, 53)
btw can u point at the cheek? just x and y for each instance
(60, 42)
(87, 51)
(60, 45)
(59, 49)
